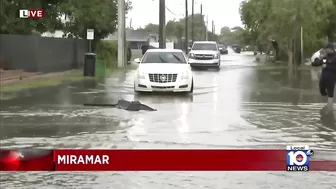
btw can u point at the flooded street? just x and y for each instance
(245, 105)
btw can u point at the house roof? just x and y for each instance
(132, 35)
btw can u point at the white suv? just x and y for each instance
(205, 54)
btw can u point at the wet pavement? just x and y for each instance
(245, 105)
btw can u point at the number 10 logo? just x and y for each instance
(298, 158)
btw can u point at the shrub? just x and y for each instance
(107, 50)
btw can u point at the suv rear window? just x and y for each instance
(204, 46)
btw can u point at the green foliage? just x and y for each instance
(330, 24)
(100, 15)
(12, 24)
(176, 28)
(225, 30)
(151, 28)
(232, 36)
(107, 50)
(282, 20)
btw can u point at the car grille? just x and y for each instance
(204, 56)
(162, 78)
(159, 87)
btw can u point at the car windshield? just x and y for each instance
(164, 57)
(205, 46)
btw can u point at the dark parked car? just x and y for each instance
(236, 48)
(144, 48)
(223, 49)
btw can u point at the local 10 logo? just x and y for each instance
(298, 158)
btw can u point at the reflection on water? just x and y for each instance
(183, 125)
(328, 118)
(239, 108)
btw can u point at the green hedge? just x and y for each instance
(107, 50)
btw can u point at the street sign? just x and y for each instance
(90, 34)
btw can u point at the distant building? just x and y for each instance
(135, 37)
(57, 33)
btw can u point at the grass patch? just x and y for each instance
(53, 80)
(56, 79)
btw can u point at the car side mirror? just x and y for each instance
(137, 60)
(189, 48)
(220, 48)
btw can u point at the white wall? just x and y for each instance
(169, 45)
(57, 33)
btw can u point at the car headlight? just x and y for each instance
(141, 75)
(191, 55)
(216, 56)
(185, 75)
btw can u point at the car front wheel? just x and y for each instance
(192, 86)
(134, 88)
(218, 68)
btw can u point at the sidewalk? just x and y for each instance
(18, 76)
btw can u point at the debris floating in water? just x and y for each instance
(126, 105)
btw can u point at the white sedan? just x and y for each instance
(163, 70)
(316, 56)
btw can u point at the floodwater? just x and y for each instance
(244, 105)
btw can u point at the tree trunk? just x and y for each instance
(294, 53)
(290, 59)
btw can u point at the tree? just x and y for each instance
(231, 36)
(330, 24)
(212, 36)
(100, 15)
(225, 30)
(253, 14)
(12, 24)
(176, 28)
(282, 21)
(151, 28)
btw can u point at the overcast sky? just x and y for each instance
(223, 12)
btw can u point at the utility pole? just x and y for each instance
(192, 21)
(202, 21)
(162, 23)
(121, 33)
(301, 45)
(130, 24)
(212, 27)
(186, 27)
(206, 28)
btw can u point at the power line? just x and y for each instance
(172, 12)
